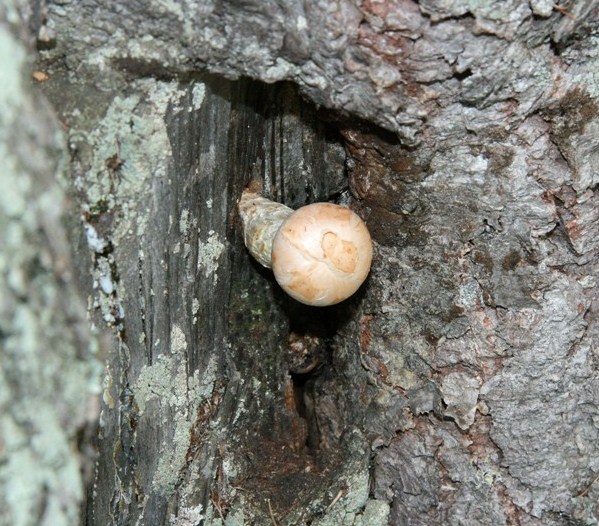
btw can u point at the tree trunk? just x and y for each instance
(460, 385)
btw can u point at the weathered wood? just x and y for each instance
(200, 331)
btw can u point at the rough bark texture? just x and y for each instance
(461, 385)
(49, 374)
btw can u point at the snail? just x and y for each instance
(320, 254)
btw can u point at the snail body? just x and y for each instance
(320, 254)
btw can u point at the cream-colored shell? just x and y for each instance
(261, 220)
(321, 254)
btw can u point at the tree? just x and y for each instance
(459, 386)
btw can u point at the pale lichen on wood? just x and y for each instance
(49, 373)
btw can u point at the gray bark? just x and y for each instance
(49, 371)
(460, 385)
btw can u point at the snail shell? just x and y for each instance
(261, 220)
(320, 254)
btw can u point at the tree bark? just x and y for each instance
(459, 386)
(49, 370)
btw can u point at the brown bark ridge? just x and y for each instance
(460, 386)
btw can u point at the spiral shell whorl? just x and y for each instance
(261, 219)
